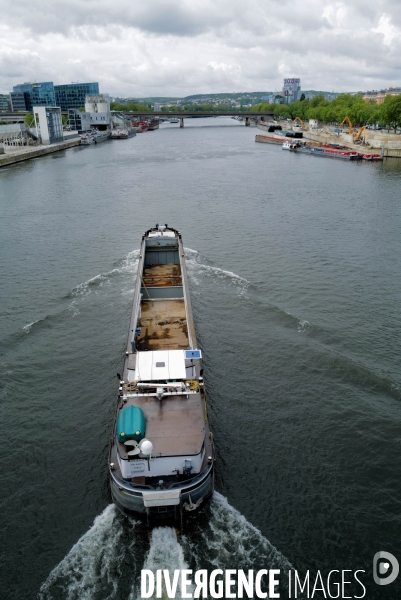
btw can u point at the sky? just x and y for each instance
(182, 47)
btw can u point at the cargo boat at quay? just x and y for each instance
(153, 125)
(161, 457)
(94, 137)
(327, 152)
(141, 126)
(317, 149)
(122, 134)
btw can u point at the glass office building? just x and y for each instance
(19, 101)
(291, 90)
(73, 95)
(36, 94)
(4, 102)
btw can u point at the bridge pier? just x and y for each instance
(247, 122)
(181, 121)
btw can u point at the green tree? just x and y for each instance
(318, 100)
(131, 107)
(282, 110)
(262, 107)
(390, 112)
(302, 97)
(299, 109)
(29, 120)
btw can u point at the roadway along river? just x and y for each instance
(294, 267)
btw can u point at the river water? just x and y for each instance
(294, 267)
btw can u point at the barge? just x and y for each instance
(161, 457)
(328, 152)
(122, 134)
(269, 139)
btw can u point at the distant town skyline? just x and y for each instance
(179, 48)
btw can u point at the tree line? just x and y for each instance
(355, 107)
(131, 107)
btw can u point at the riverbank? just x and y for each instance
(374, 142)
(18, 154)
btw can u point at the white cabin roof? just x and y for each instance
(160, 364)
(170, 234)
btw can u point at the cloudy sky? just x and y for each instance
(181, 47)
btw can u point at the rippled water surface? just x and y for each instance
(294, 267)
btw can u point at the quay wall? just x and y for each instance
(24, 154)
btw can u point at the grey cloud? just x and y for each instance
(169, 47)
(163, 17)
(179, 17)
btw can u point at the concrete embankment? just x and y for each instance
(16, 155)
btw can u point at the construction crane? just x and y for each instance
(359, 134)
(302, 123)
(347, 119)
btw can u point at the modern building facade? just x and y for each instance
(4, 102)
(48, 123)
(26, 95)
(35, 94)
(291, 90)
(19, 101)
(73, 95)
(79, 121)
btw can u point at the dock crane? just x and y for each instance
(347, 120)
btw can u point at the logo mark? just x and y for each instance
(382, 561)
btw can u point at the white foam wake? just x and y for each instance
(165, 552)
(302, 324)
(27, 328)
(229, 539)
(107, 561)
(196, 268)
(91, 566)
(128, 266)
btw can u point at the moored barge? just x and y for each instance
(161, 454)
(328, 152)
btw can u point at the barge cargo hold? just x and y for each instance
(161, 456)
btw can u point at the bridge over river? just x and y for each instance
(195, 114)
(18, 117)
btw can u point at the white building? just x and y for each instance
(98, 106)
(48, 123)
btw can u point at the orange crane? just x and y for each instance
(347, 119)
(301, 121)
(359, 134)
